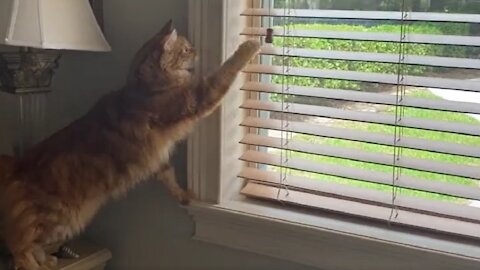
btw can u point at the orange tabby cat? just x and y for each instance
(53, 192)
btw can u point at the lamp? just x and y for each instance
(45, 24)
(40, 28)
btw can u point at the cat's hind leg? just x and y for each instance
(166, 174)
(28, 254)
(25, 225)
(45, 261)
(25, 260)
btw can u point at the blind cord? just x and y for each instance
(399, 108)
(285, 137)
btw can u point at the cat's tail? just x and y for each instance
(6, 167)
(7, 164)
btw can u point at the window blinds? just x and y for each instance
(374, 114)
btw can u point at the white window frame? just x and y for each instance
(324, 241)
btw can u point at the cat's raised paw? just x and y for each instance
(249, 48)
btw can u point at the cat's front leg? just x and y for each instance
(166, 174)
(210, 92)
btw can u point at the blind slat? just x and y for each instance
(383, 198)
(375, 212)
(369, 36)
(366, 97)
(418, 164)
(367, 137)
(366, 117)
(364, 15)
(432, 61)
(377, 177)
(417, 81)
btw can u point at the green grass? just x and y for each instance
(380, 47)
(409, 112)
(364, 46)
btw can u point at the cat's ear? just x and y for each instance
(169, 40)
(148, 48)
(167, 28)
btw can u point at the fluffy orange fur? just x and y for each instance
(55, 189)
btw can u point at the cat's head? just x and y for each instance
(166, 56)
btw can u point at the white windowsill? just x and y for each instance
(325, 242)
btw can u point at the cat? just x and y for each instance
(56, 188)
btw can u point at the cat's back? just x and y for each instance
(78, 133)
(113, 143)
(90, 136)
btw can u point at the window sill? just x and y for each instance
(325, 242)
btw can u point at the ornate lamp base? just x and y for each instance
(28, 71)
(28, 75)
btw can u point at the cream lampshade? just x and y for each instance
(50, 24)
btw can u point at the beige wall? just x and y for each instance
(146, 229)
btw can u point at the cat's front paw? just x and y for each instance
(249, 49)
(185, 197)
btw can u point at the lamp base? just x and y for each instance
(27, 71)
(28, 74)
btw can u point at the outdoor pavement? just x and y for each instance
(463, 96)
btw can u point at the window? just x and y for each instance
(360, 121)
(368, 113)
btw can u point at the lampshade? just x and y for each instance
(50, 24)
